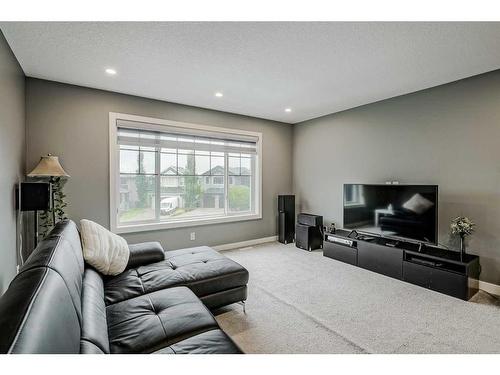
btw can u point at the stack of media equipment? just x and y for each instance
(309, 232)
(286, 218)
(392, 230)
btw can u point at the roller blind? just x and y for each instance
(149, 135)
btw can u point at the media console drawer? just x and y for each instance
(417, 274)
(447, 282)
(382, 259)
(343, 253)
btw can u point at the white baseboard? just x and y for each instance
(237, 245)
(489, 287)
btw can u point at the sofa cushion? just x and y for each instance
(105, 251)
(156, 320)
(145, 253)
(202, 269)
(210, 342)
(94, 325)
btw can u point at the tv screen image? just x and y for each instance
(406, 211)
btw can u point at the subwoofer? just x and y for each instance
(308, 238)
(309, 232)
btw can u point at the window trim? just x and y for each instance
(114, 179)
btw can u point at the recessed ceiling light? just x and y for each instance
(110, 71)
(288, 110)
(219, 94)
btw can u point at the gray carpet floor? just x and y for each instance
(302, 302)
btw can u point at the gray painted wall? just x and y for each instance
(12, 148)
(72, 122)
(448, 135)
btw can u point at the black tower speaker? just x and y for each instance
(286, 218)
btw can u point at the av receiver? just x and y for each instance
(339, 240)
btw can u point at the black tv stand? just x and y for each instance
(421, 264)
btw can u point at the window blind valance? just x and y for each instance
(150, 135)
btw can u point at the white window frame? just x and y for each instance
(114, 177)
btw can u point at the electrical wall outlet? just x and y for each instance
(192, 236)
(17, 269)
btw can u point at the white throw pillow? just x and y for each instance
(105, 251)
(418, 204)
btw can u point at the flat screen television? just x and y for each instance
(403, 211)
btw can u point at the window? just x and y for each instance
(166, 174)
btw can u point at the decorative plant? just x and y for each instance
(60, 203)
(462, 226)
(45, 223)
(50, 217)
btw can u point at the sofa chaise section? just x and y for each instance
(215, 279)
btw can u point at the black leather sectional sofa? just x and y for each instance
(159, 304)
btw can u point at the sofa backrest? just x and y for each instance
(41, 311)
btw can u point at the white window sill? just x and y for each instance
(143, 227)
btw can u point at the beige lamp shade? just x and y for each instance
(48, 166)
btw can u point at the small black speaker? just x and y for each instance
(35, 196)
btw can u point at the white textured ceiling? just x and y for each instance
(262, 68)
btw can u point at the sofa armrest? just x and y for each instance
(145, 253)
